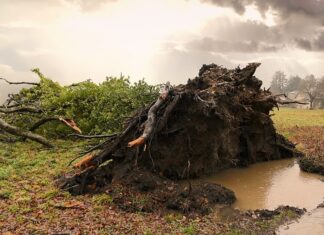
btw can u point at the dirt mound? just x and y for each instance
(218, 120)
(200, 199)
(312, 164)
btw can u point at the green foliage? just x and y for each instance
(96, 108)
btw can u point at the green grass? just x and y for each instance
(102, 199)
(27, 173)
(288, 117)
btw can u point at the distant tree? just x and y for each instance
(294, 84)
(279, 82)
(320, 88)
(310, 86)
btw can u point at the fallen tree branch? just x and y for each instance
(290, 102)
(42, 122)
(26, 134)
(69, 122)
(20, 83)
(9, 106)
(93, 136)
(21, 109)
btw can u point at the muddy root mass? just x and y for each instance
(218, 120)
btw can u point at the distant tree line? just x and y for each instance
(310, 87)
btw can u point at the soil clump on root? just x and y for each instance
(219, 119)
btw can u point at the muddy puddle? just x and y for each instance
(267, 185)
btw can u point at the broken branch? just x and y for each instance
(21, 109)
(93, 136)
(20, 83)
(69, 122)
(290, 102)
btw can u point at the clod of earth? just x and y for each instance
(218, 120)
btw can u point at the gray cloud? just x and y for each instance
(315, 44)
(311, 8)
(304, 44)
(299, 23)
(210, 44)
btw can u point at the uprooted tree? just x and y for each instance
(217, 120)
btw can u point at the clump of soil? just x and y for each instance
(200, 199)
(218, 120)
(270, 214)
(312, 164)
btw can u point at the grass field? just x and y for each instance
(286, 118)
(30, 203)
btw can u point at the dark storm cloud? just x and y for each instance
(210, 44)
(315, 44)
(299, 23)
(304, 44)
(240, 37)
(312, 8)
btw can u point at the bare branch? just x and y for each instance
(290, 102)
(42, 122)
(68, 122)
(46, 120)
(28, 109)
(20, 83)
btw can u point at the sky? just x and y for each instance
(159, 40)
